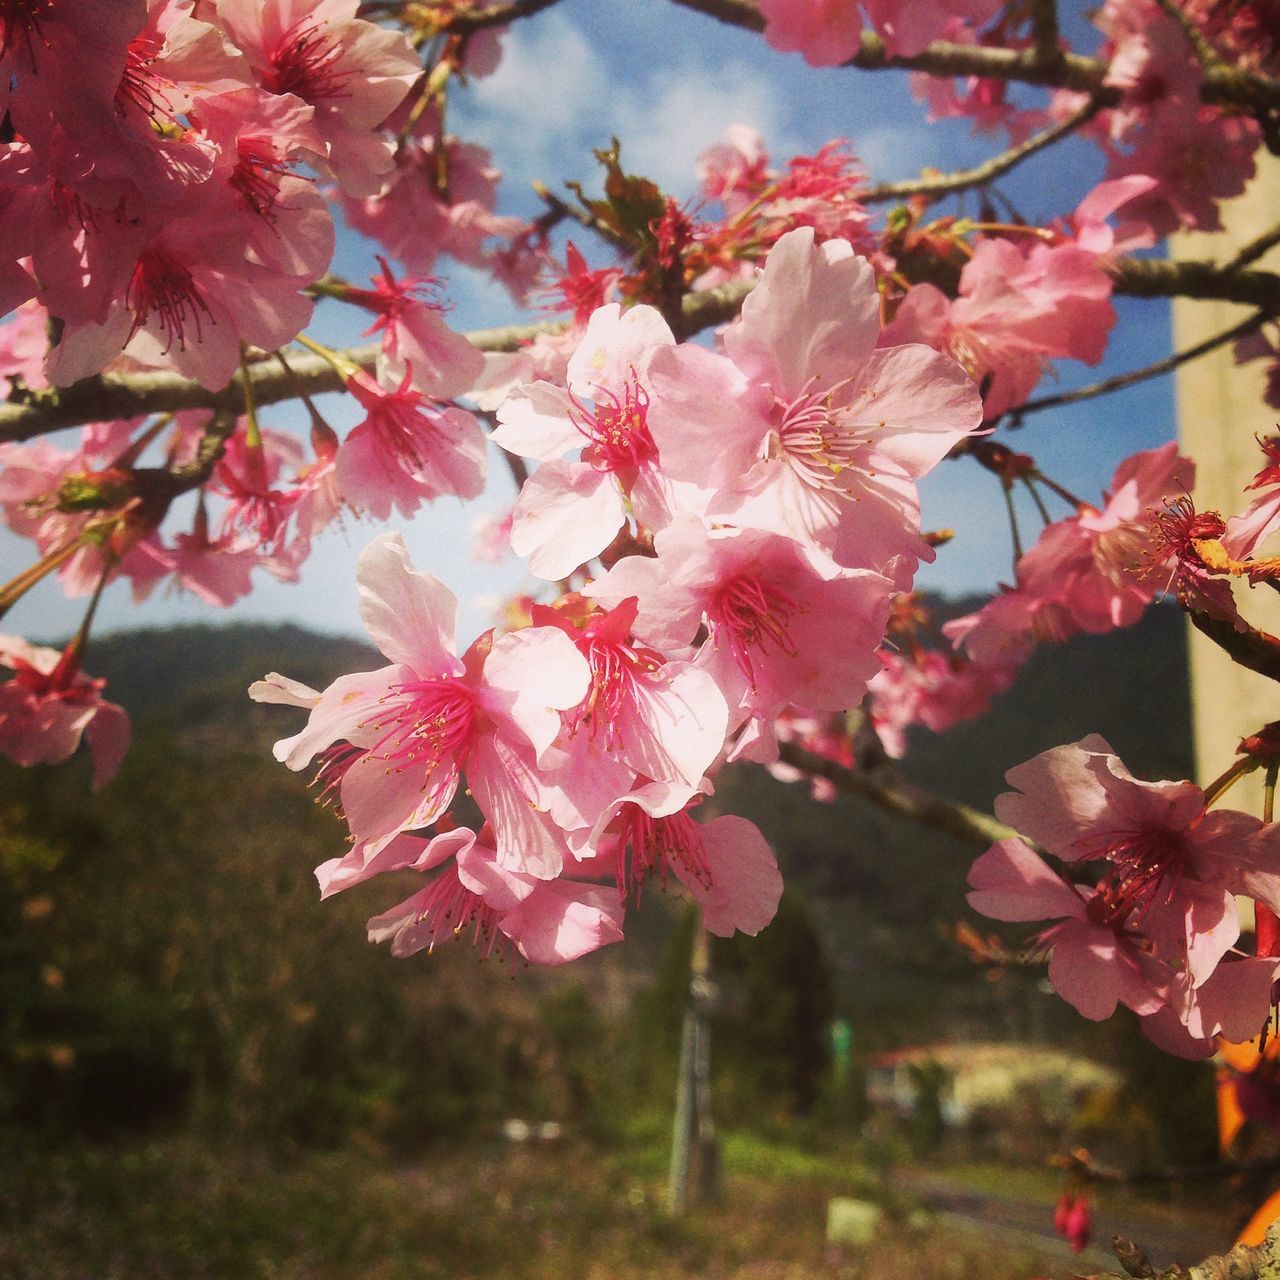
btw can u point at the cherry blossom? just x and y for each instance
(1095, 570)
(770, 607)
(407, 450)
(568, 512)
(48, 705)
(1015, 311)
(410, 729)
(353, 73)
(546, 922)
(802, 427)
(1155, 931)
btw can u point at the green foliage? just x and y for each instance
(631, 205)
(772, 1036)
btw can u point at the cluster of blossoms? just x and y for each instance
(1153, 924)
(829, 32)
(750, 502)
(158, 218)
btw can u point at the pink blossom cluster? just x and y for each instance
(267, 496)
(1092, 572)
(931, 688)
(1019, 306)
(1194, 154)
(162, 191)
(1144, 904)
(1096, 570)
(150, 198)
(828, 32)
(749, 503)
(49, 705)
(761, 203)
(1198, 154)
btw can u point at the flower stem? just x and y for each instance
(1038, 500)
(346, 369)
(1220, 785)
(252, 432)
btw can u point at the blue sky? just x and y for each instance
(668, 83)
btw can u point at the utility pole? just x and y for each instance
(695, 1152)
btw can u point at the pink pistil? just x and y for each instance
(815, 444)
(399, 419)
(391, 298)
(69, 207)
(20, 22)
(1144, 863)
(749, 614)
(615, 669)
(162, 285)
(655, 844)
(141, 86)
(618, 431)
(256, 177)
(304, 63)
(449, 908)
(334, 761)
(424, 724)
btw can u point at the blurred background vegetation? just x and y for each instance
(204, 1070)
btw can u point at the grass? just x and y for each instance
(177, 1210)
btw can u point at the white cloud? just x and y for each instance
(667, 122)
(894, 153)
(554, 97)
(541, 104)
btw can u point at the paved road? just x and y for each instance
(1031, 1224)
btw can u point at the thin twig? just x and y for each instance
(515, 463)
(499, 15)
(561, 209)
(949, 183)
(1153, 370)
(1254, 249)
(897, 795)
(1044, 30)
(1080, 1162)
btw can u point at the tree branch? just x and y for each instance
(1244, 1262)
(942, 58)
(108, 396)
(1222, 84)
(1156, 278)
(1082, 1163)
(1206, 54)
(1122, 380)
(948, 183)
(1256, 650)
(131, 395)
(899, 796)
